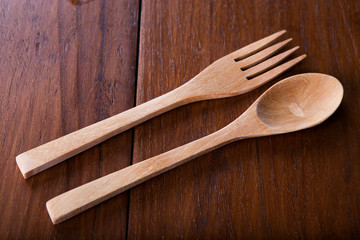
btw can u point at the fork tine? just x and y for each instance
(273, 73)
(253, 47)
(260, 56)
(269, 63)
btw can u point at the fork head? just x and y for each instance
(245, 69)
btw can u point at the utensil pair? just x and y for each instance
(293, 104)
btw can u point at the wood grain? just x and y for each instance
(63, 67)
(61, 71)
(298, 185)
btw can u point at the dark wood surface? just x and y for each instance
(67, 64)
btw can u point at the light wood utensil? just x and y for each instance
(296, 103)
(226, 77)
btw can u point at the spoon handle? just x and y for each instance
(58, 150)
(88, 195)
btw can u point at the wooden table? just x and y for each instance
(67, 64)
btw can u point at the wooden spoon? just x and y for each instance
(296, 103)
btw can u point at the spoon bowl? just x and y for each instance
(299, 102)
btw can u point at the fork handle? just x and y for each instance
(58, 150)
(77, 200)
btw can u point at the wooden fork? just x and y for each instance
(228, 76)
